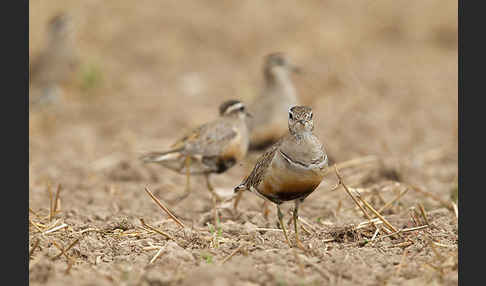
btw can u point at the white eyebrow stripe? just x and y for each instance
(234, 107)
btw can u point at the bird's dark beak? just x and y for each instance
(248, 114)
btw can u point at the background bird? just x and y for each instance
(56, 63)
(270, 107)
(211, 148)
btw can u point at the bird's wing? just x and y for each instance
(261, 166)
(209, 139)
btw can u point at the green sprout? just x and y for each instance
(91, 77)
(207, 257)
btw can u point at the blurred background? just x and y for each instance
(381, 77)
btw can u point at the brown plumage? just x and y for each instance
(292, 168)
(213, 147)
(270, 107)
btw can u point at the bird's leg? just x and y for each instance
(266, 211)
(188, 173)
(211, 189)
(237, 200)
(296, 217)
(280, 219)
(214, 198)
(187, 165)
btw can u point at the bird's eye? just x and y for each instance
(242, 108)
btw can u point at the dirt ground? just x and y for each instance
(381, 77)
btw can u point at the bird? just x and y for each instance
(211, 148)
(269, 108)
(291, 169)
(56, 63)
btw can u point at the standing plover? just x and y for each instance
(291, 169)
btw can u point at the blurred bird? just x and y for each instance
(213, 147)
(291, 169)
(56, 63)
(269, 109)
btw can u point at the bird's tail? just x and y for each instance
(159, 156)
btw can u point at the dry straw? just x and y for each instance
(381, 219)
(155, 230)
(64, 251)
(164, 208)
(232, 254)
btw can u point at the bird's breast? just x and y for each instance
(284, 183)
(237, 148)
